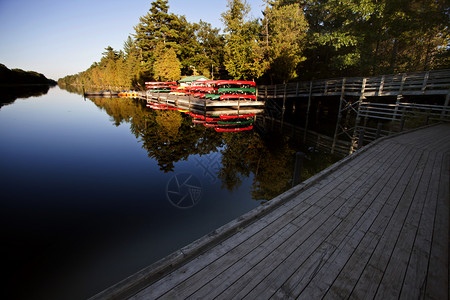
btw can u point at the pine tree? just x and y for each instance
(153, 29)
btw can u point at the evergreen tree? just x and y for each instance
(211, 49)
(154, 28)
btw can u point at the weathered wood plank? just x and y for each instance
(352, 232)
(393, 277)
(323, 220)
(393, 214)
(437, 284)
(345, 235)
(191, 285)
(349, 274)
(415, 278)
(159, 288)
(376, 227)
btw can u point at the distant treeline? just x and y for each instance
(294, 40)
(18, 76)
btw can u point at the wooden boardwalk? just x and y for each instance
(373, 226)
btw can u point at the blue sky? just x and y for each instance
(59, 38)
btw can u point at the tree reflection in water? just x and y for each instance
(169, 136)
(11, 93)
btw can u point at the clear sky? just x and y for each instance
(59, 38)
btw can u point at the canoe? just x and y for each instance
(151, 83)
(212, 96)
(235, 83)
(242, 91)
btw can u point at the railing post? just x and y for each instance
(380, 89)
(425, 81)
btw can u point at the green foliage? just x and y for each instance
(243, 58)
(295, 39)
(285, 30)
(370, 37)
(167, 65)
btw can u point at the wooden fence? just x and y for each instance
(418, 83)
(354, 94)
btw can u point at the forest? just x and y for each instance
(294, 40)
(18, 76)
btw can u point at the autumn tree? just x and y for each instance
(167, 65)
(243, 56)
(284, 28)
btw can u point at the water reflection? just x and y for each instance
(93, 191)
(170, 136)
(11, 93)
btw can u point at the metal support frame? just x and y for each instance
(336, 131)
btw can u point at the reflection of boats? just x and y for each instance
(197, 116)
(229, 117)
(101, 94)
(160, 106)
(130, 94)
(235, 122)
(234, 129)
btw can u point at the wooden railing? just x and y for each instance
(418, 83)
(376, 120)
(354, 94)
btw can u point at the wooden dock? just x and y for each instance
(373, 226)
(204, 106)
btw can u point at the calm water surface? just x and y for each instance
(95, 190)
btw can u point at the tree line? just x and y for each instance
(294, 40)
(19, 76)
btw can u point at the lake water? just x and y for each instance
(95, 190)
